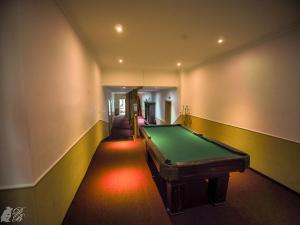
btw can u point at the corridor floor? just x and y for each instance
(118, 189)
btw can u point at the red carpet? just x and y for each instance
(118, 189)
(120, 129)
(252, 200)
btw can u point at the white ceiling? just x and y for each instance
(158, 33)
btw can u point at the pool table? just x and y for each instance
(181, 155)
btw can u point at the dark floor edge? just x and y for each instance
(275, 181)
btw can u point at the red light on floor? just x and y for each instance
(122, 180)
(123, 146)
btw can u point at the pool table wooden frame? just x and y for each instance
(177, 174)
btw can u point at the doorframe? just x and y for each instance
(110, 115)
(170, 116)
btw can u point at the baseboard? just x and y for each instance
(274, 181)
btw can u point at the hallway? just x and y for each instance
(227, 71)
(118, 189)
(120, 128)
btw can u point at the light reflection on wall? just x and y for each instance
(253, 89)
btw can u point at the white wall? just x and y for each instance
(166, 95)
(15, 160)
(136, 78)
(53, 91)
(256, 89)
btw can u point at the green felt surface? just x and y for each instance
(179, 145)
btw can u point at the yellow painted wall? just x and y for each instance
(48, 201)
(275, 157)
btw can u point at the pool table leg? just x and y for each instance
(217, 189)
(175, 196)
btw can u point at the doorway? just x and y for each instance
(122, 106)
(150, 112)
(110, 116)
(167, 112)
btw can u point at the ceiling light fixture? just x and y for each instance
(119, 28)
(179, 64)
(220, 41)
(124, 87)
(120, 60)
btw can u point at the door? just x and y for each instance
(167, 112)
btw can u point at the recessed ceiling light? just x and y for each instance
(119, 28)
(120, 60)
(220, 40)
(124, 87)
(179, 64)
